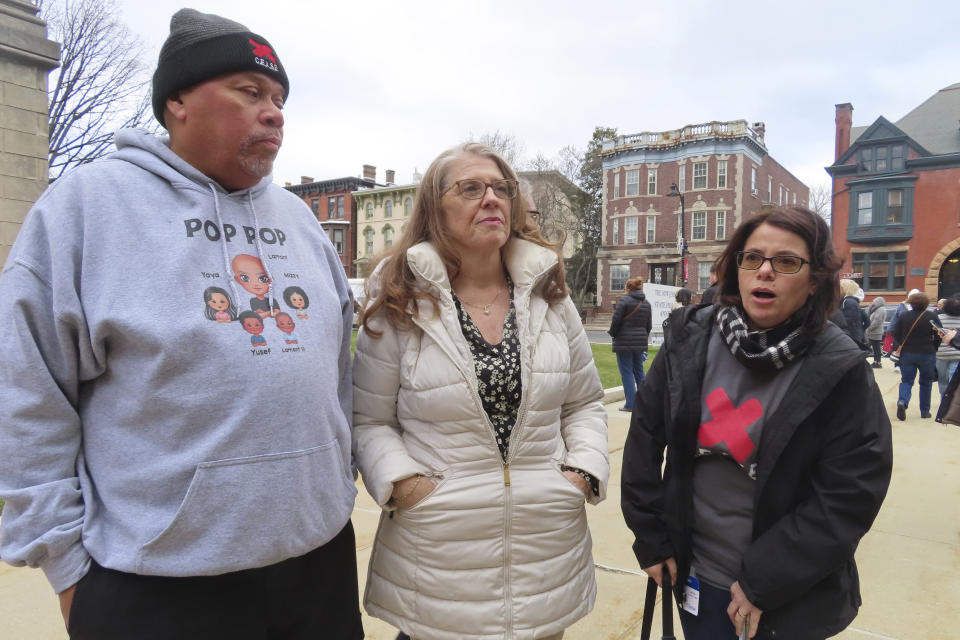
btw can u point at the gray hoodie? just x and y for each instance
(176, 383)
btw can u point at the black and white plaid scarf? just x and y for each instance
(770, 349)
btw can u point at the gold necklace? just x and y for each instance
(486, 307)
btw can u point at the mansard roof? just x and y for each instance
(934, 125)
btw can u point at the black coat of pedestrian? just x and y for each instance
(631, 329)
(922, 339)
(825, 460)
(853, 316)
(709, 294)
(951, 386)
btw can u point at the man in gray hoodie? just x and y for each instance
(173, 477)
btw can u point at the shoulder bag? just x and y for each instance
(635, 309)
(895, 355)
(650, 603)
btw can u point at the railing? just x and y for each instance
(689, 133)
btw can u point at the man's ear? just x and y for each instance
(175, 107)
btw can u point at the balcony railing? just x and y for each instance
(689, 133)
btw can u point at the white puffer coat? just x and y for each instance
(497, 551)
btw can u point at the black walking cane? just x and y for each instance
(667, 607)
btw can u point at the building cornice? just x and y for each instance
(347, 184)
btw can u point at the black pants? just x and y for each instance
(877, 355)
(313, 597)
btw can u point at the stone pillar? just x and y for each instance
(26, 57)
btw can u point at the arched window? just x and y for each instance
(369, 210)
(388, 209)
(407, 206)
(368, 240)
(387, 236)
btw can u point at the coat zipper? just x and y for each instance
(518, 424)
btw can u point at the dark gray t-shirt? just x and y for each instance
(735, 404)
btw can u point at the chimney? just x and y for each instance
(390, 175)
(305, 179)
(761, 130)
(844, 122)
(369, 172)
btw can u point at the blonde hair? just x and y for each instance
(397, 283)
(849, 287)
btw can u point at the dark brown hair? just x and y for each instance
(919, 301)
(824, 264)
(398, 285)
(952, 306)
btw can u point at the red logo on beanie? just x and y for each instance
(263, 51)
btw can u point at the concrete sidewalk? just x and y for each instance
(909, 562)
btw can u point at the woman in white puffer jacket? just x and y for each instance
(478, 418)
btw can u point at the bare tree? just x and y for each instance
(100, 85)
(506, 144)
(821, 201)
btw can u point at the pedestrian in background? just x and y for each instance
(479, 424)
(630, 328)
(852, 313)
(947, 356)
(711, 292)
(949, 410)
(777, 442)
(682, 298)
(919, 342)
(874, 331)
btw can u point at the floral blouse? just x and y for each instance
(498, 378)
(498, 372)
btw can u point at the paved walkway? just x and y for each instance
(909, 562)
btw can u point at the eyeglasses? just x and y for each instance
(781, 264)
(476, 189)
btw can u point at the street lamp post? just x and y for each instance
(682, 239)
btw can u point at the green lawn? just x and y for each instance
(603, 356)
(606, 362)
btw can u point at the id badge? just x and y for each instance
(691, 596)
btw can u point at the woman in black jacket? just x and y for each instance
(630, 328)
(915, 332)
(777, 442)
(853, 315)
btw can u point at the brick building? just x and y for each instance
(896, 199)
(725, 174)
(382, 215)
(332, 202)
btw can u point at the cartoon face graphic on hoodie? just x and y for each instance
(249, 272)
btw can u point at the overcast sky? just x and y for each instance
(394, 83)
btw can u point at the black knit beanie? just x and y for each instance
(202, 46)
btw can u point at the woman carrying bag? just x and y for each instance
(916, 342)
(630, 329)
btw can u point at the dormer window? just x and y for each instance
(882, 158)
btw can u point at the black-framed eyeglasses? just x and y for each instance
(473, 189)
(752, 261)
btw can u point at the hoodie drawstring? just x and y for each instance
(260, 254)
(223, 245)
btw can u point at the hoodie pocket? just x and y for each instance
(253, 512)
